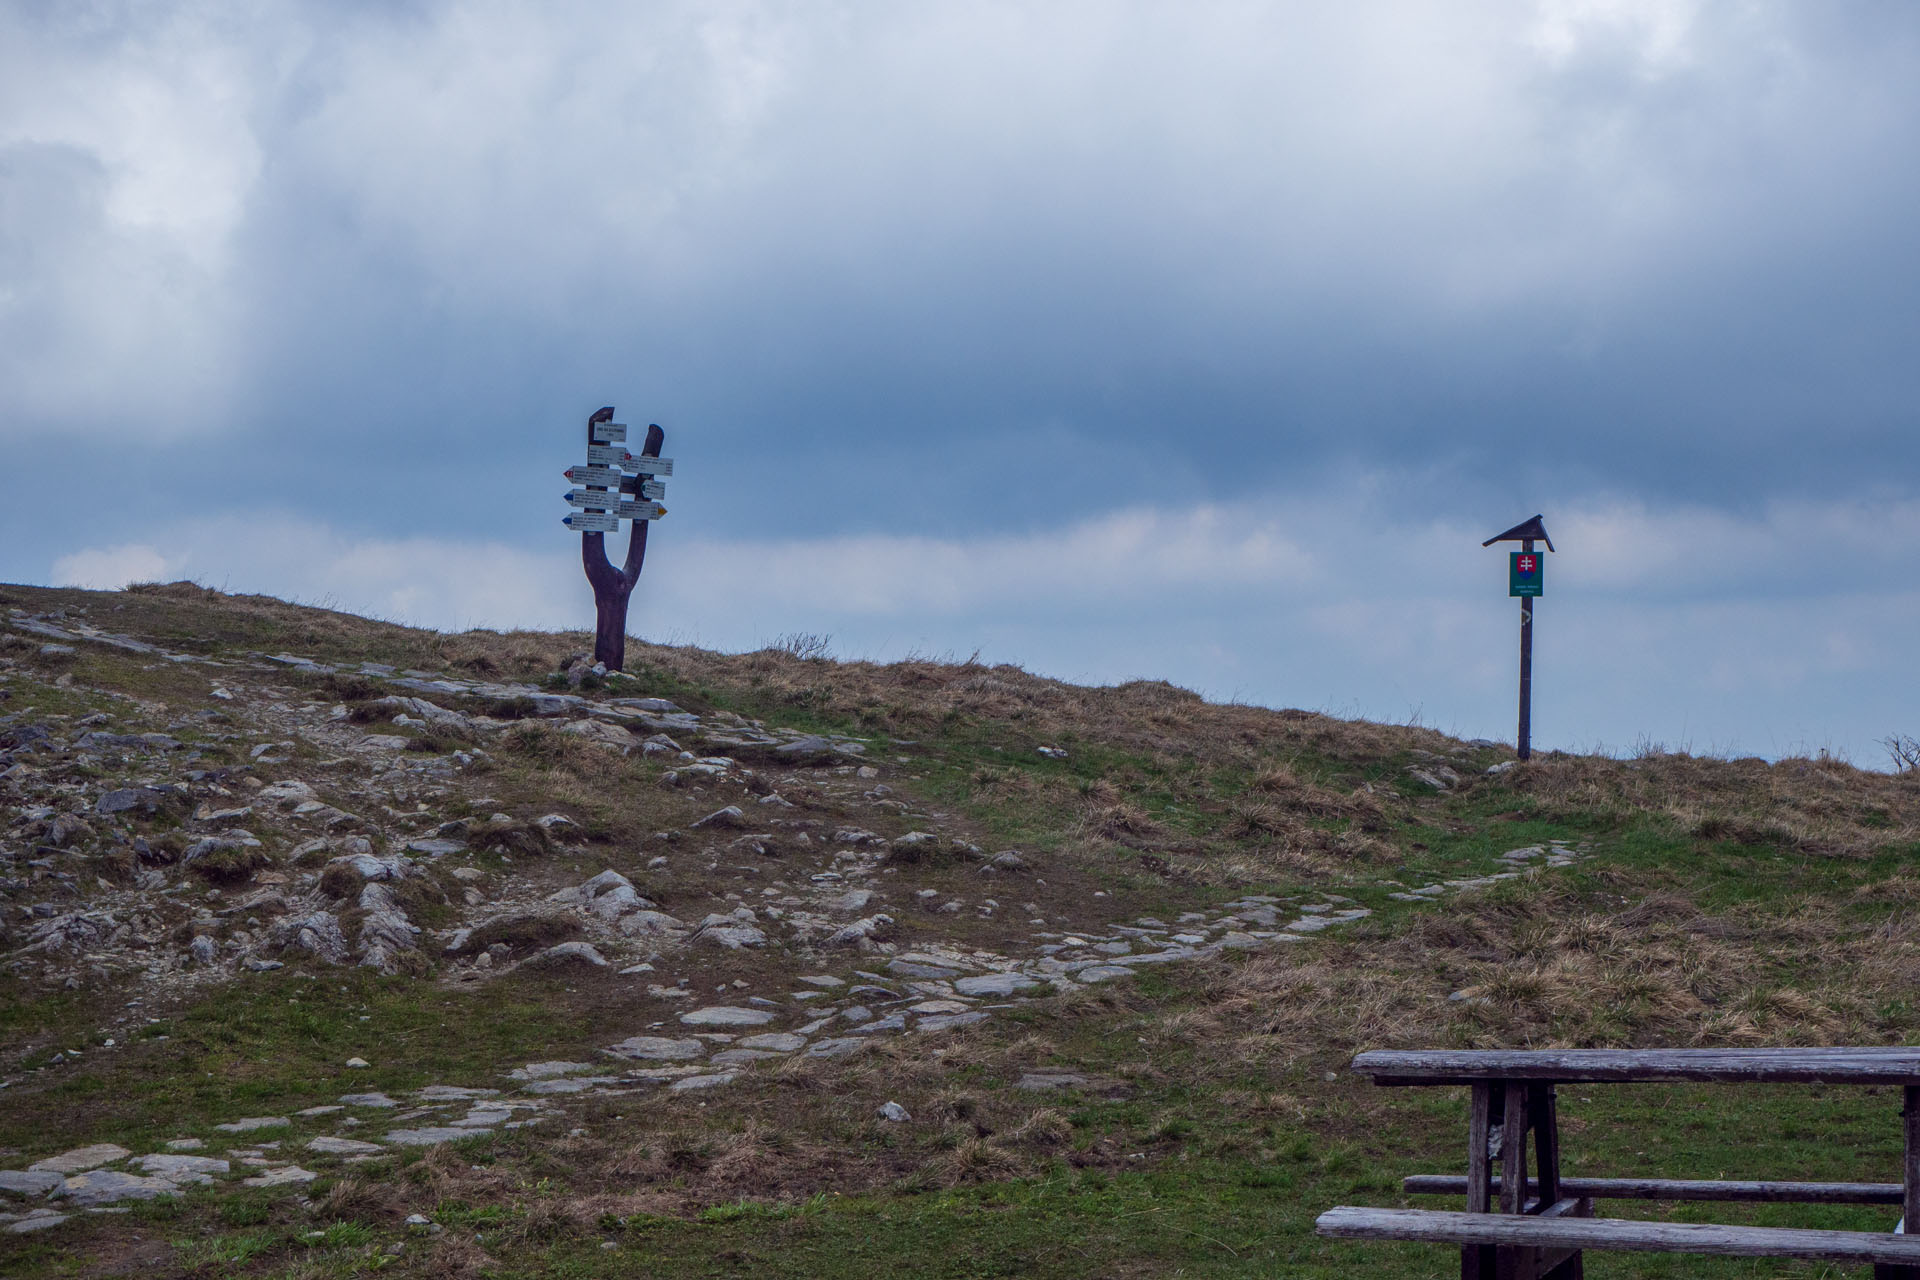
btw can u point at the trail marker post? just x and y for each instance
(1526, 579)
(603, 500)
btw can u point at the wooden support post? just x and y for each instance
(1546, 1139)
(1910, 1176)
(1513, 1149)
(1477, 1260)
(613, 588)
(1514, 1263)
(1526, 669)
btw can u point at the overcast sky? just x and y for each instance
(1201, 341)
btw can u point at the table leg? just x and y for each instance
(1544, 1113)
(1512, 1263)
(1910, 1175)
(1477, 1260)
(1546, 1139)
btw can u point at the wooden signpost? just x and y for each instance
(604, 502)
(1526, 579)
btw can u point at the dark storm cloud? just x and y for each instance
(976, 273)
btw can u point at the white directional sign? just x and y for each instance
(648, 466)
(592, 522)
(603, 499)
(651, 489)
(606, 455)
(609, 433)
(594, 475)
(641, 510)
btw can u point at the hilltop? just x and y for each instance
(772, 963)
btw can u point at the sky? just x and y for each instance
(1202, 342)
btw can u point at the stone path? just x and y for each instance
(852, 980)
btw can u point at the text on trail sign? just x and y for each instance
(592, 522)
(1526, 573)
(609, 432)
(605, 476)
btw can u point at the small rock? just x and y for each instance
(358, 1064)
(567, 955)
(894, 1112)
(332, 1146)
(731, 816)
(367, 1099)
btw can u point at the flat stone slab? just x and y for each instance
(289, 1175)
(80, 1159)
(250, 1123)
(660, 1048)
(37, 1222)
(548, 1070)
(776, 1041)
(428, 1137)
(721, 1015)
(453, 1093)
(320, 1111)
(821, 980)
(1103, 972)
(331, 1146)
(995, 984)
(108, 1186)
(742, 1057)
(914, 969)
(948, 1021)
(181, 1168)
(689, 1083)
(186, 1144)
(30, 1182)
(367, 1100)
(931, 1007)
(834, 1046)
(1041, 1081)
(565, 1084)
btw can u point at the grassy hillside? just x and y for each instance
(1188, 1115)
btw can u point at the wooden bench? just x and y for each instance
(1536, 1227)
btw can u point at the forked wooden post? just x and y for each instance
(613, 588)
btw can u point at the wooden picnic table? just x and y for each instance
(1534, 1225)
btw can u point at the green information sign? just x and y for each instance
(1526, 573)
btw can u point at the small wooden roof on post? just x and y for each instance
(1525, 531)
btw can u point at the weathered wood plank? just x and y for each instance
(1513, 1149)
(1897, 1065)
(1440, 1227)
(1443, 1184)
(1479, 1162)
